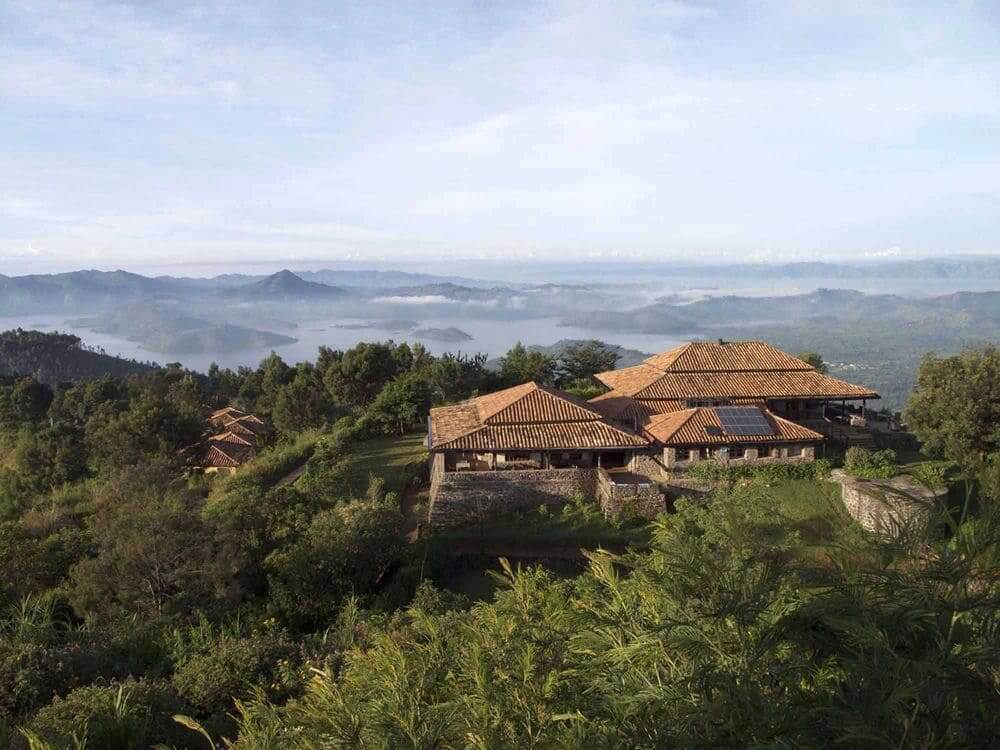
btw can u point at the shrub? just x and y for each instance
(860, 462)
(231, 668)
(713, 471)
(933, 475)
(346, 550)
(131, 715)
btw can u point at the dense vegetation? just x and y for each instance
(56, 357)
(281, 607)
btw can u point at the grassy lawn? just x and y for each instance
(815, 509)
(390, 458)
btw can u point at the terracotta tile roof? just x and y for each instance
(552, 436)
(688, 427)
(806, 384)
(230, 441)
(245, 425)
(612, 405)
(225, 415)
(737, 369)
(230, 437)
(629, 380)
(527, 415)
(727, 356)
(221, 456)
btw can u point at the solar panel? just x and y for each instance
(743, 420)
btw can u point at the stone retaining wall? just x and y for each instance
(642, 500)
(884, 505)
(464, 496)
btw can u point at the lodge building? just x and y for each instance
(741, 402)
(231, 438)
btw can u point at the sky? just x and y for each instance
(168, 133)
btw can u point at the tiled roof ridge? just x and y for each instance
(689, 414)
(674, 358)
(783, 420)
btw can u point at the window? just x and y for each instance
(704, 453)
(681, 454)
(763, 451)
(794, 451)
(737, 452)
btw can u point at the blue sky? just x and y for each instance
(157, 133)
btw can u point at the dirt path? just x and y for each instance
(414, 505)
(291, 476)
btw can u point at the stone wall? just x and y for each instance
(463, 496)
(885, 505)
(642, 500)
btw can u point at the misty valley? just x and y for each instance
(236, 320)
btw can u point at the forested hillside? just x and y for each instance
(289, 605)
(55, 357)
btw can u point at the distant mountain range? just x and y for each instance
(733, 311)
(285, 286)
(80, 291)
(95, 290)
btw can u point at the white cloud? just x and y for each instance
(426, 299)
(890, 252)
(614, 129)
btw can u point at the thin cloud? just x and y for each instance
(169, 132)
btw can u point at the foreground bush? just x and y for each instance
(132, 715)
(710, 639)
(867, 464)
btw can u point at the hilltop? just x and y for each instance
(287, 286)
(160, 329)
(59, 357)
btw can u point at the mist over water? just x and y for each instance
(491, 337)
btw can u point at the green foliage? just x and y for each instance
(58, 357)
(23, 401)
(270, 466)
(233, 667)
(860, 462)
(814, 359)
(458, 376)
(715, 471)
(356, 376)
(154, 553)
(152, 427)
(582, 360)
(346, 550)
(131, 715)
(931, 474)
(402, 405)
(302, 404)
(955, 408)
(760, 617)
(521, 366)
(708, 639)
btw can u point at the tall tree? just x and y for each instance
(520, 365)
(814, 359)
(155, 553)
(303, 403)
(403, 404)
(458, 376)
(955, 408)
(363, 371)
(582, 360)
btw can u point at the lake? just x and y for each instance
(492, 337)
